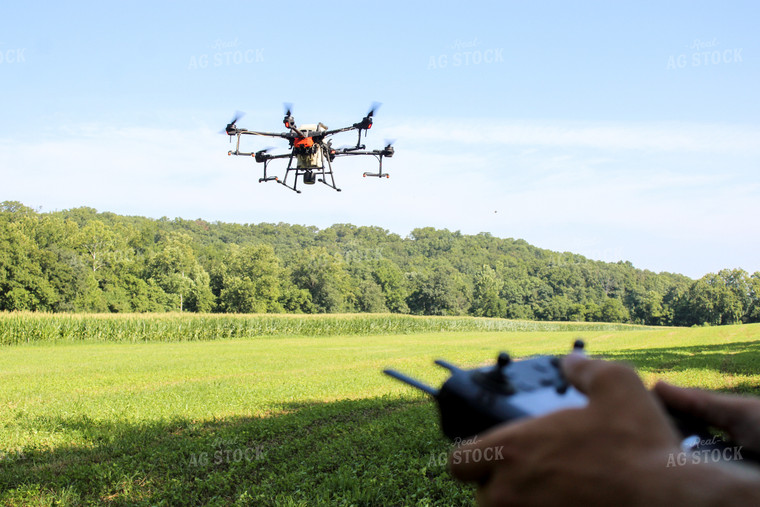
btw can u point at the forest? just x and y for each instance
(80, 260)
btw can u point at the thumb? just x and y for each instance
(601, 381)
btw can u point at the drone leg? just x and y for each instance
(359, 141)
(287, 172)
(267, 178)
(380, 173)
(293, 188)
(330, 172)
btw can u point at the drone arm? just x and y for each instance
(336, 131)
(260, 155)
(284, 135)
(378, 153)
(296, 131)
(272, 157)
(349, 151)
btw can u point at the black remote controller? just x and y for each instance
(472, 401)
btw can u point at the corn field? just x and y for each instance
(27, 327)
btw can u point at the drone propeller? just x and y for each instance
(373, 108)
(366, 122)
(288, 120)
(230, 129)
(261, 155)
(238, 115)
(388, 150)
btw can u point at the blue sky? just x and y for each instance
(620, 131)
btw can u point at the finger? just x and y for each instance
(507, 444)
(726, 412)
(601, 381)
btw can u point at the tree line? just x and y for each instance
(80, 260)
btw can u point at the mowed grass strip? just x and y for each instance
(282, 421)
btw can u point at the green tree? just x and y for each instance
(324, 276)
(486, 299)
(753, 309)
(23, 284)
(252, 280)
(176, 271)
(441, 291)
(613, 311)
(393, 284)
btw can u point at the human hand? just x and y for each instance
(739, 416)
(614, 451)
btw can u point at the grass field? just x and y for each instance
(280, 420)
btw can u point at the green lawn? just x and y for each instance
(286, 421)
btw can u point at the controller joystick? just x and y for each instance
(472, 401)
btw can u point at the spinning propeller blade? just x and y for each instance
(288, 120)
(373, 109)
(238, 115)
(229, 130)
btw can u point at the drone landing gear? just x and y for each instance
(310, 175)
(293, 188)
(380, 173)
(331, 186)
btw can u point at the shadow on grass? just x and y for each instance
(739, 358)
(379, 451)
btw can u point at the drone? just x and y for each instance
(311, 153)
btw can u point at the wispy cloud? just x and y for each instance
(661, 136)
